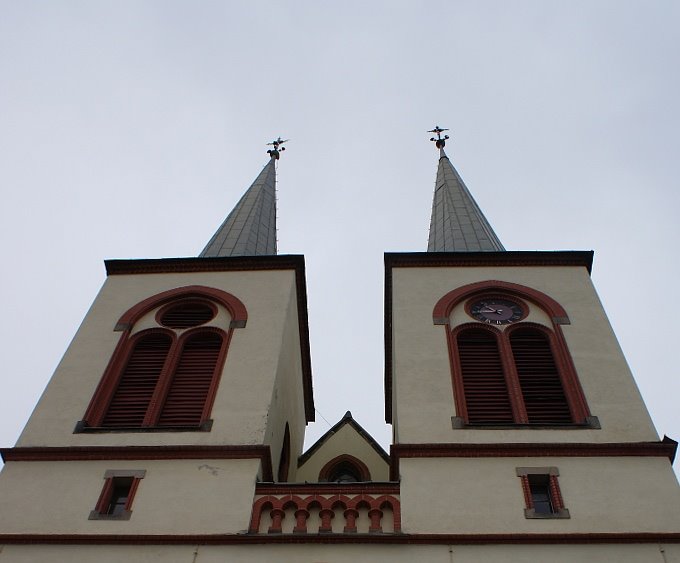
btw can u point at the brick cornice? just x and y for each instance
(222, 264)
(374, 488)
(413, 539)
(90, 453)
(504, 258)
(664, 448)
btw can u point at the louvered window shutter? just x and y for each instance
(191, 381)
(486, 391)
(539, 379)
(131, 398)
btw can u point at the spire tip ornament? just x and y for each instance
(439, 141)
(275, 152)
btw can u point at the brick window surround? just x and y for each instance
(521, 399)
(163, 378)
(346, 462)
(540, 484)
(118, 492)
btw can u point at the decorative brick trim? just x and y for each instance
(90, 453)
(442, 310)
(344, 503)
(401, 539)
(299, 489)
(665, 448)
(233, 304)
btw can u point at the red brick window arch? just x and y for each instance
(166, 376)
(344, 468)
(519, 374)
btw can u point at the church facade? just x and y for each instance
(173, 428)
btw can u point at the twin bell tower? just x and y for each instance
(173, 428)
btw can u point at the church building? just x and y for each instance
(173, 428)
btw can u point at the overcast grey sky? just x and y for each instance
(129, 129)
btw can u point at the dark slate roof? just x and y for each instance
(457, 224)
(347, 419)
(250, 229)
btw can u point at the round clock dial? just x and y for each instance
(496, 311)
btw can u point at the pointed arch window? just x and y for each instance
(166, 377)
(518, 374)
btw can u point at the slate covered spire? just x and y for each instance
(457, 224)
(250, 229)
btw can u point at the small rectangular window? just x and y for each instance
(539, 486)
(120, 494)
(115, 500)
(542, 494)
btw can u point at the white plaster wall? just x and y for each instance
(345, 441)
(244, 394)
(287, 395)
(175, 497)
(635, 553)
(423, 402)
(484, 495)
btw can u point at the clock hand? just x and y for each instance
(490, 310)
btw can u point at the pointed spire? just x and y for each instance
(250, 229)
(457, 224)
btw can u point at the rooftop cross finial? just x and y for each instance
(274, 153)
(439, 141)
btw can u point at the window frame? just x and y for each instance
(101, 509)
(580, 413)
(104, 393)
(360, 468)
(551, 475)
(578, 409)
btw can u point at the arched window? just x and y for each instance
(138, 381)
(481, 369)
(507, 369)
(191, 380)
(344, 473)
(344, 468)
(542, 392)
(166, 376)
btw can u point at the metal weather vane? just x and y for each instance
(439, 141)
(274, 153)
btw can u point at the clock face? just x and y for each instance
(496, 311)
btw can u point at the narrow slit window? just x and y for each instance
(120, 495)
(539, 486)
(542, 494)
(115, 500)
